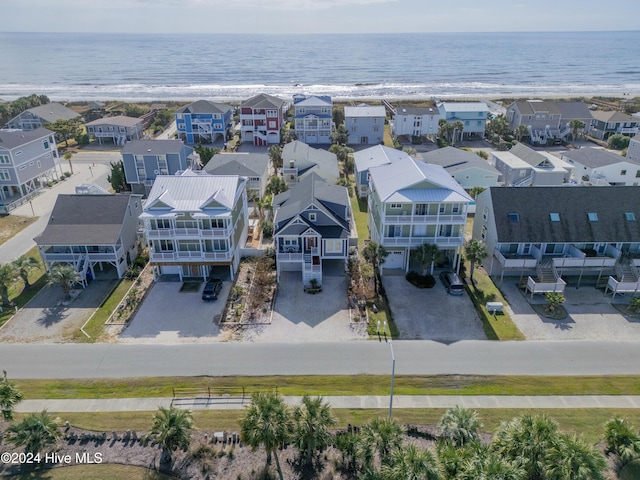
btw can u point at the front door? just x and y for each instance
(311, 242)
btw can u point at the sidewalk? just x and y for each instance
(354, 402)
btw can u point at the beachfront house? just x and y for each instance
(144, 160)
(372, 157)
(28, 161)
(300, 160)
(253, 166)
(596, 166)
(312, 224)
(473, 116)
(365, 124)
(261, 118)
(204, 122)
(89, 231)
(543, 234)
(39, 116)
(466, 168)
(415, 121)
(412, 203)
(117, 130)
(312, 117)
(523, 167)
(605, 124)
(195, 225)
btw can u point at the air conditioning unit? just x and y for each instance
(156, 172)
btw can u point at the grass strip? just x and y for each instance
(359, 209)
(93, 472)
(335, 385)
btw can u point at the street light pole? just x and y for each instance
(393, 364)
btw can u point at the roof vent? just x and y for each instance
(148, 149)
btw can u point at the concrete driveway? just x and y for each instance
(170, 316)
(45, 319)
(302, 317)
(431, 313)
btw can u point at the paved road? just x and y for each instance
(365, 357)
(363, 401)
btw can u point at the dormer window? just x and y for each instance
(630, 216)
(554, 217)
(514, 217)
(312, 217)
(593, 217)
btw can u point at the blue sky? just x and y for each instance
(316, 16)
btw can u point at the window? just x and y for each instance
(523, 173)
(4, 174)
(163, 223)
(272, 124)
(630, 216)
(312, 217)
(31, 163)
(375, 128)
(637, 173)
(22, 167)
(19, 152)
(39, 164)
(45, 144)
(333, 246)
(455, 208)
(4, 159)
(485, 213)
(441, 209)
(483, 233)
(514, 217)
(395, 205)
(554, 217)
(593, 217)
(623, 172)
(272, 113)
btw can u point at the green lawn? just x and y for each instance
(336, 385)
(94, 327)
(20, 296)
(360, 215)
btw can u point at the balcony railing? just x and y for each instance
(308, 267)
(290, 257)
(188, 232)
(190, 255)
(516, 261)
(418, 219)
(416, 241)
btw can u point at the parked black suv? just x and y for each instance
(212, 289)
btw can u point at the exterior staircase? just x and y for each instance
(546, 271)
(626, 270)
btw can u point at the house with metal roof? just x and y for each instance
(91, 232)
(633, 151)
(605, 124)
(372, 157)
(144, 160)
(415, 121)
(261, 118)
(39, 116)
(118, 130)
(473, 116)
(253, 166)
(28, 161)
(204, 122)
(312, 117)
(523, 167)
(312, 229)
(597, 166)
(412, 203)
(196, 224)
(300, 160)
(545, 233)
(466, 168)
(365, 124)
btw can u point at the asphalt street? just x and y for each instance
(366, 357)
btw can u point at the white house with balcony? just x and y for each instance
(601, 167)
(524, 167)
(117, 130)
(195, 224)
(412, 203)
(415, 121)
(543, 234)
(91, 232)
(369, 158)
(312, 116)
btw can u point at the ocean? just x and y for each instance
(147, 67)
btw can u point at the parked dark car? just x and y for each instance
(452, 283)
(212, 289)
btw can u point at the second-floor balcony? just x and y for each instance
(188, 232)
(417, 241)
(421, 219)
(106, 254)
(189, 255)
(516, 261)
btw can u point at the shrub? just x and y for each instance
(618, 142)
(420, 281)
(416, 140)
(441, 142)
(267, 228)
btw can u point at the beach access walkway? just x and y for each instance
(348, 402)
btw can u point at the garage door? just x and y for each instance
(395, 259)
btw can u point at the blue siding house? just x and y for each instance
(144, 160)
(313, 118)
(473, 116)
(203, 121)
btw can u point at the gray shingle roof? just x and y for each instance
(530, 107)
(14, 138)
(153, 147)
(454, 159)
(594, 157)
(614, 117)
(365, 111)
(574, 111)
(245, 164)
(204, 106)
(262, 100)
(85, 220)
(121, 120)
(307, 157)
(527, 154)
(400, 110)
(53, 111)
(572, 204)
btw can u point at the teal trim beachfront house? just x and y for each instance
(204, 122)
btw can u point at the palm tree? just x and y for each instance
(7, 277)
(623, 442)
(460, 426)
(475, 191)
(9, 397)
(375, 254)
(34, 433)
(452, 459)
(476, 252)
(425, 255)
(65, 276)
(458, 128)
(411, 463)
(575, 126)
(312, 420)
(67, 157)
(340, 135)
(572, 458)
(521, 132)
(171, 428)
(381, 436)
(484, 464)
(267, 422)
(343, 153)
(275, 154)
(526, 441)
(23, 265)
